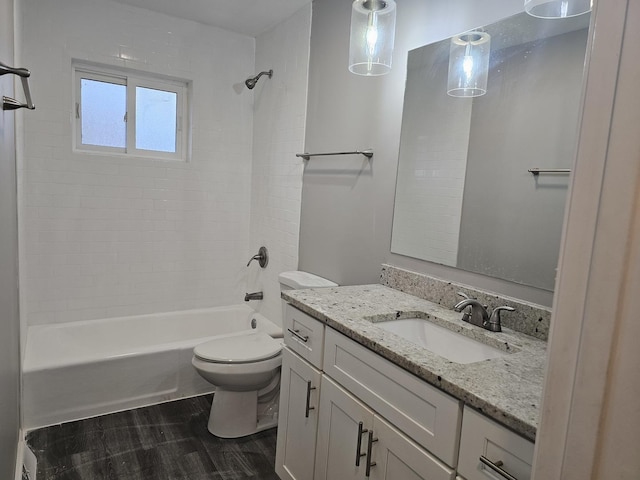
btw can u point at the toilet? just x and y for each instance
(245, 369)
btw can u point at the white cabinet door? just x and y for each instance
(342, 434)
(396, 457)
(298, 420)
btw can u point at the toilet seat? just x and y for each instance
(243, 347)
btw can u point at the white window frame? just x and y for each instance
(131, 80)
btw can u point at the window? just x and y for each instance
(128, 113)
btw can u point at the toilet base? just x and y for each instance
(235, 414)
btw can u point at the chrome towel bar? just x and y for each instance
(9, 103)
(538, 171)
(367, 153)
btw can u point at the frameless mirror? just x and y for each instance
(464, 194)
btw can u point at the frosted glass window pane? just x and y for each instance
(156, 114)
(104, 106)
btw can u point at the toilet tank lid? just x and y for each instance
(298, 280)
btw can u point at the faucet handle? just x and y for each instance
(495, 323)
(466, 316)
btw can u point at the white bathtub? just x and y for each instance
(81, 369)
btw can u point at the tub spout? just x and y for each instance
(253, 296)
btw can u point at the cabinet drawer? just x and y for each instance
(430, 417)
(304, 335)
(482, 436)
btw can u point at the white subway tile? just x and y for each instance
(109, 236)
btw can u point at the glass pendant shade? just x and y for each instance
(557, 8)
(373, 25)
(469, 64)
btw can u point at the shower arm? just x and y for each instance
(268, 73)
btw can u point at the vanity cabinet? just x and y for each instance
(347, 412)
(356, 443)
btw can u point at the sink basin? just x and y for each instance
(441, 341)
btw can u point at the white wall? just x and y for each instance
(590, 415)
(9, 319)
(107, 236)
(276, 185)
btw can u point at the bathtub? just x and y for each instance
(81, 369)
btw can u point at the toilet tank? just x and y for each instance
(297, 280)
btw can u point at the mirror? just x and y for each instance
(464, 195)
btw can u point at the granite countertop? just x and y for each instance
(507, 389)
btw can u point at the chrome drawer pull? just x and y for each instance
(307, 407)
(369, 447)
(297, 335)
(496, 467)
(359, 455)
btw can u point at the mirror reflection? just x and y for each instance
(464, 195)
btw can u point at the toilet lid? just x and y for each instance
(243, 347)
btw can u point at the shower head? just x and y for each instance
(251, 82)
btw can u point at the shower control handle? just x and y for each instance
(262, 257)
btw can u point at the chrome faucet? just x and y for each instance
(253, 296)
(479, 315)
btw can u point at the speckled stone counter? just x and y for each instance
(507, 389)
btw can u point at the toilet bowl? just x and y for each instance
(245, 369)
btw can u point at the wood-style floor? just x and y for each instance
(162, 442)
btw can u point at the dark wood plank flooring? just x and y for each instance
(162, 442)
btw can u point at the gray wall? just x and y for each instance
(347, 203)
(9, 320)
(536, 125)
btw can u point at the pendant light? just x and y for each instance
(373, 24)
(557, 8)
(469, 64)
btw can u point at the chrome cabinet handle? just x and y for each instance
(369, 447)
(308, 408)
(496, 467)
(297, 335)
(359, 455)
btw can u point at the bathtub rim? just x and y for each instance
(43, 364)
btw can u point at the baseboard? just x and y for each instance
(25, 458)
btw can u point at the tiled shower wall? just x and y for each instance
(276, 186)
(107, 236)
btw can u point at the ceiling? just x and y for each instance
(249, 17)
